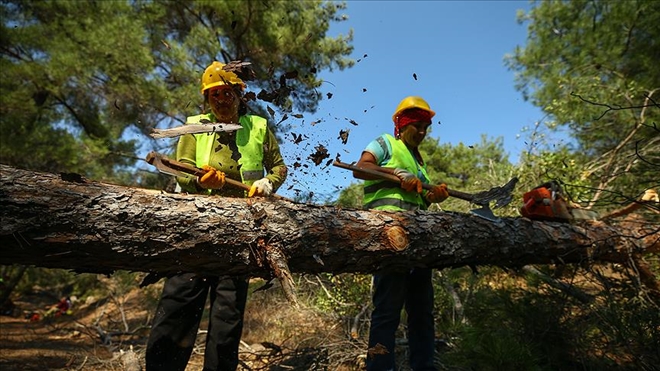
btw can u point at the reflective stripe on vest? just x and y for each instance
(249, 140)
(385, 195)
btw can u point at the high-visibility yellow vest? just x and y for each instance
(249, 140)
(386, 195)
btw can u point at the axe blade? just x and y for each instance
(501, 195)
(485, 213)
(156, 160)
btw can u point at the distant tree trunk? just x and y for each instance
(65, 221)
(8, 287)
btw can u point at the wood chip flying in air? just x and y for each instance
(235, 66)
(415, 76)
(320, 154)
(343, 135)
(298, 138)
(283, 119)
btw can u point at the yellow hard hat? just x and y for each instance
(215, 75)
(412, 102)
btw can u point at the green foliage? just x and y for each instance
(506, 320)
(592, 67)
(470, 169)
(351, 196)
(81, 81)
(343, 294)
(58, 282)
(540, 165)
(517, 322)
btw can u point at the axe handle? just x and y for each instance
(395, 179)
(175, 165)
(194, 170)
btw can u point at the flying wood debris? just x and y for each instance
(320, 154)
(343, 135)
(241, 69)
(283, 119)
(249, 96)
(298, 138)
(235, 66)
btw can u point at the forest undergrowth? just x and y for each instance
(535, 318)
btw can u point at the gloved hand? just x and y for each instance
(213, 179)
(262, 187)
(409, 182)
(439, 193)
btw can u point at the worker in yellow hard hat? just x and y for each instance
(250, 155)
(413, 290)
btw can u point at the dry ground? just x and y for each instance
(275, 337)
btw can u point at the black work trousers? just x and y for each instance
(393, 291)
(179, 313)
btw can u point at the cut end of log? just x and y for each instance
(397, 238)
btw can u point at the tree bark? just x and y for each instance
(66, 221)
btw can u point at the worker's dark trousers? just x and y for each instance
(391, 292)
(178, 316)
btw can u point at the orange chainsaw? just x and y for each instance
(547, 202)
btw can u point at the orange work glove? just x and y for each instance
(213, 179)
(439, 193)
(409, 182)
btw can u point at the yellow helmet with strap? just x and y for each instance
(412, 102)
(216, 75)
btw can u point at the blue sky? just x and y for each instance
(455, 49)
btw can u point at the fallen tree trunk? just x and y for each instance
(65, 221)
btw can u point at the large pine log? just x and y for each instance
(65, 221)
